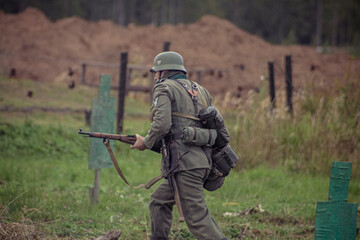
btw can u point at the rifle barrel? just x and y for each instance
(130, 139)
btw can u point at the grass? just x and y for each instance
(50, 189)
(45, 180)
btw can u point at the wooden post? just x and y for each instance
(271, 85)
(166, 46)
(83, 70)
(289, 87)
(121, 91)
(337, 219)
(151, 85)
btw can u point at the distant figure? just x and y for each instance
(71, 84)
(12, 73)
(313, 67)
(70, 71)
(30, 93)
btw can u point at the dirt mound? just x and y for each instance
(36, 48)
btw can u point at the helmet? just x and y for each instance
(168, 61)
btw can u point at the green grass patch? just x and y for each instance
(284, 169)
(45, 182)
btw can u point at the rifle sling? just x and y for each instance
(113, 159)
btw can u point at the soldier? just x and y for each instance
(175, 100)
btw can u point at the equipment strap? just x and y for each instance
(113, 159)
(203, 99)
(210, 138)
(193, 94)
(185, 116)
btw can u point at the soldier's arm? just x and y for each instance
(139, 144)
(161, 122)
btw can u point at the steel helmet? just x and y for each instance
(168, 61)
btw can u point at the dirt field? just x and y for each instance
(31, 46)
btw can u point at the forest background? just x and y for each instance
(279, 22)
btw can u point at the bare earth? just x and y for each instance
(42, 50)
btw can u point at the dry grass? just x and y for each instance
(25, 228)
(325, 127)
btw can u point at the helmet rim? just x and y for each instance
(168, 61)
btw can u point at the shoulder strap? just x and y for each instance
(113, 159)
(203, 99)
(193, 94)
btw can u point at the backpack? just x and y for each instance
(223, 156)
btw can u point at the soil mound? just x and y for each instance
(31, 46)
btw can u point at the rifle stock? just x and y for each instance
(177, 201)
(172, 180)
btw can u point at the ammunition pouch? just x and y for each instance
(224, 159)
(199, 136)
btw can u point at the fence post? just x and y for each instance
(166, 46)
(121, 91)
(94, 191)
(289, 87)
(83, 67)
(271, 85)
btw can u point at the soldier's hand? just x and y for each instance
(139, 144)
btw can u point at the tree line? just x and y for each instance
(310, 22)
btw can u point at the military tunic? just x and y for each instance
(169, 97)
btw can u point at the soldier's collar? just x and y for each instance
(178, 76)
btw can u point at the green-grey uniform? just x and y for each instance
(169, 97)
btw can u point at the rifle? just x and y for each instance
(129, 139)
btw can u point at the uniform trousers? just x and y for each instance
(196, 214)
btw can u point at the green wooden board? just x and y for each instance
(102, 120)
(337, 219)
(339, 181)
